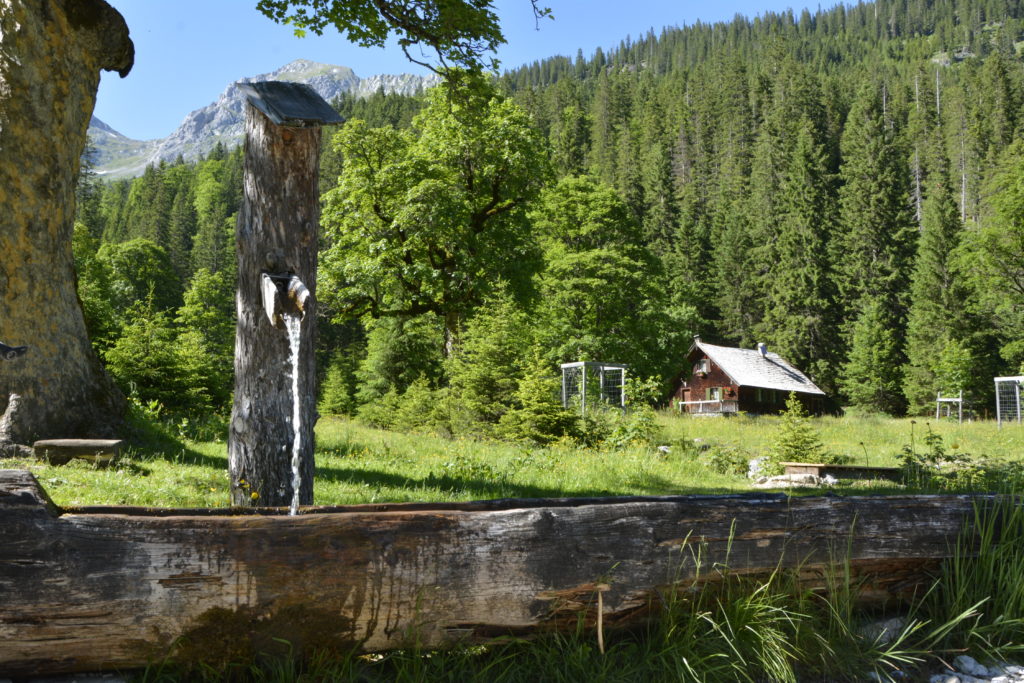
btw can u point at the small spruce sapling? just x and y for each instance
(796, 440)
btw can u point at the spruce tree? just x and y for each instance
(872, 377)
(537, 415)
(181, 230)
(939, 297)
(486, 368)
(796, 440)
(874, 251)
(876, 244)
(801, 320)
(213, 244)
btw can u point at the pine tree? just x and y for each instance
(938, 295)
(796, 440)
(801, 320)
(486, 368)
(874, 250)
(872, 378)
(877, 237)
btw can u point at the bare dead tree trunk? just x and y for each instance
(51, 54)
(276, 234)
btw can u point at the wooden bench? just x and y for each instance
(62, 451)
(843, 471)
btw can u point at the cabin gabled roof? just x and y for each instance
(748, 368)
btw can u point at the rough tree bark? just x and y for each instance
(276, 233)
(51, 54)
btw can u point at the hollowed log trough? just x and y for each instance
(86, 589)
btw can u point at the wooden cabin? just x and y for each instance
(721, 380)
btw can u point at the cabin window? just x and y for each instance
(703, 365)
(713, 393)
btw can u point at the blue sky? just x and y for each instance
(188, 51)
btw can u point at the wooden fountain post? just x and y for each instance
(276, 236)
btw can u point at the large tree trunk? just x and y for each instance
(51, 54)
(276, 234)
(116, 587)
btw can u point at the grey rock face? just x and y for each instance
(223, 120)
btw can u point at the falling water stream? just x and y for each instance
(294, 325)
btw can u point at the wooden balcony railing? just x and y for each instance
(709, 407)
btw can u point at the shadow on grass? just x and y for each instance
(152, 440)
(500, 486)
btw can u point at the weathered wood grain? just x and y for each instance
(98, 588)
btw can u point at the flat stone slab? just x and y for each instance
(62, 451)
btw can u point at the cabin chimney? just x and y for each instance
(762, 349)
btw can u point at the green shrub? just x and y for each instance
(935, 467)
(637, 427)
(381, 411)
(422, 408)
(728, 459)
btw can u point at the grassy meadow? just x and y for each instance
(358, 464)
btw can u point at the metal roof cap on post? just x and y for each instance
(290, 104)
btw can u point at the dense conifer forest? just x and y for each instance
(846, 186)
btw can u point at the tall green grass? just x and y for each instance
(985, 573)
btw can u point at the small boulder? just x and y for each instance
(970, 666)
(883, 632)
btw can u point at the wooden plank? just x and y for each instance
(108, 588)
(842, 471)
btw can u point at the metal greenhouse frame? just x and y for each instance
(606, 381)
(1008, 399)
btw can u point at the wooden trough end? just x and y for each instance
(114, 588)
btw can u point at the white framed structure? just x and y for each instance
(948, 404)
(594, 383)
(1008, 399)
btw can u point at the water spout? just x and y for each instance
(285, 299)
(294, 325)
(11, 352)
(283, 295)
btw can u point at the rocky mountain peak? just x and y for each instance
(224, 119)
